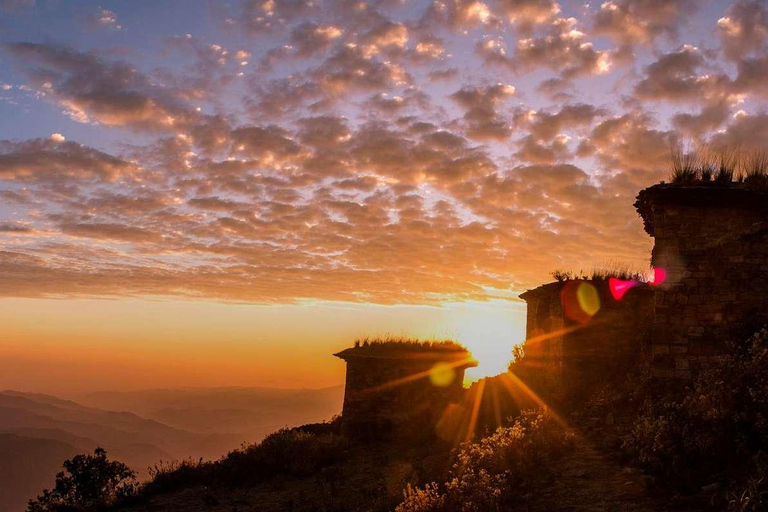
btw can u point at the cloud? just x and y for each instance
(114, 232)
(674, 77)
(537, 152)
(709, 118)
(91, 89)
(547, 126)
(641, 22)
(443, 74)
(364, 151)
(458, 14)
(745, 131)
(562, 49)
(352, 68)
(744, 29)
(41, 160)
(16, 228)
(310, 38)
(483, 122)
(103, 18)
(751, 77)
(527, 13)
(256, 17)
(385, 36)
(281, 97)
(410, 101)
(629, 142)
(429, 47)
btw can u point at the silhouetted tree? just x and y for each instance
(87, 481)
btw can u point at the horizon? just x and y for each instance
(226, 194)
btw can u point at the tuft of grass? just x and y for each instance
(600, 273)
(727, 160)
(685, 165)
(401, 343)
(723, 167)
(756, 172)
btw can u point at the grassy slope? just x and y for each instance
(366, 478)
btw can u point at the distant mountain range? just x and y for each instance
(38, 432)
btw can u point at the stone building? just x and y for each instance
(401, 389)
(576, 339)
(712, 242)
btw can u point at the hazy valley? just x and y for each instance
(38, 432)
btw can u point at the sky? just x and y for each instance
(199, 193)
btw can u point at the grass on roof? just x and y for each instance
(727, 166)
(399, 344)
(600, 274)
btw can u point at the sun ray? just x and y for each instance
(415, 376)
(478, 398)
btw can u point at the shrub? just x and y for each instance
(87, 481)
(751, 493)
(290, 452)
(490, 473)
(295, 452)
(168, 476)
(713, 428)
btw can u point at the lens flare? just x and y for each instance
(619, 287)
(659, 275)
(442, 375)
(581, 300)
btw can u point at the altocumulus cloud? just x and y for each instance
(365, 150)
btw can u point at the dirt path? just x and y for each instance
(588, 480)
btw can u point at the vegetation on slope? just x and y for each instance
(715, 433)
(494, 472)
(88, 481)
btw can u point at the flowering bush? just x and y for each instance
(490, 473)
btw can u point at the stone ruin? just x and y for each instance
(400, 390)
(711, 242)
(573, 348)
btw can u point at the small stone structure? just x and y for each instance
(578, 351)
(712, 241)
(400, 390)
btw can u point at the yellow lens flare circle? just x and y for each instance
(442, 375)
(589, 298)
(580, 300)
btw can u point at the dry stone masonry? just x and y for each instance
(713, 243)
(398, 393)
(577, 351)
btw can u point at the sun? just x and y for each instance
(490, 330)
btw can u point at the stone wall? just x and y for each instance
(394, 396)
(712, 243)
(587, 351)
(545, 316)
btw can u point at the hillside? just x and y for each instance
(38, 432)
(254, 412)
(27, 465)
